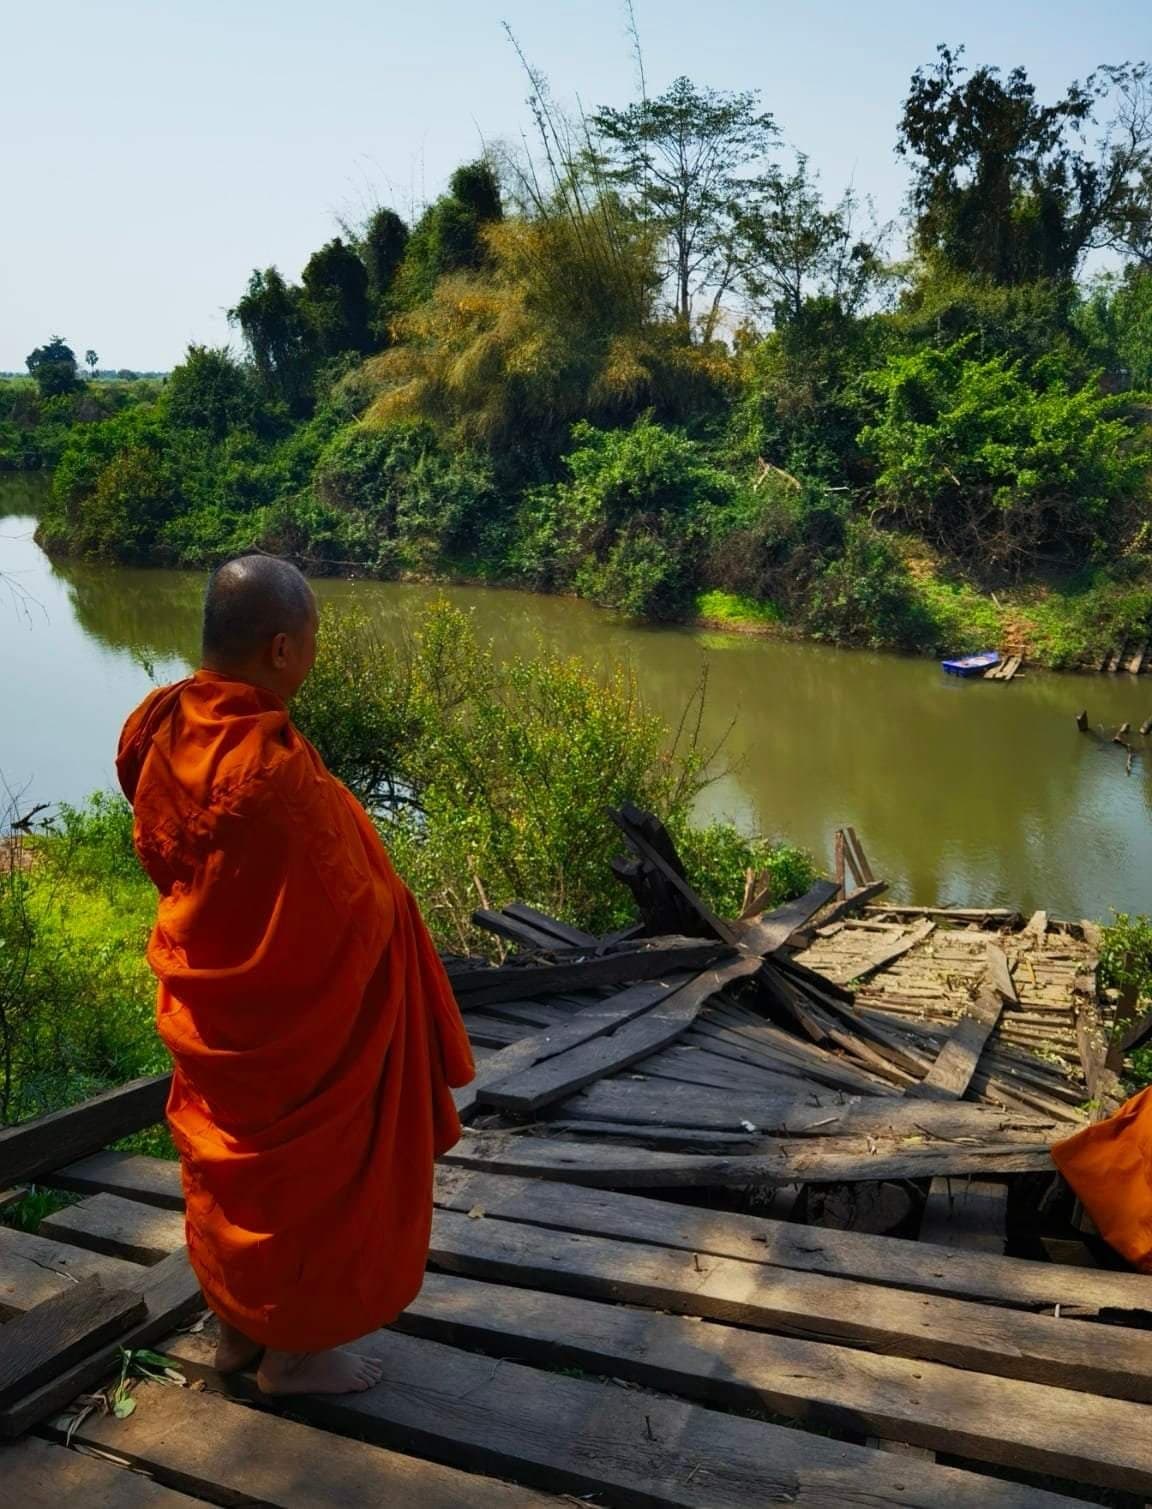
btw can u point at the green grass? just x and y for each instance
(734, 611)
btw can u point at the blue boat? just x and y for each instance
(972, 665)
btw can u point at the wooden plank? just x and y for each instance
(1104, 1086)
(523, 934)
(859, 858)
(968, 1213)
(480, 987)
(566, 1072)
(995, 916)
(121, 1228)
(857, 901)
(815, 1161)
(1069, 1354)
(625, 821)
(33, 1269)
(228, 1454)
(589, 1023)
(793, 1114)
(49, 1338)
(583, 1437)
(973, 1415)
(1016, 1283)
(771, 931)
(951, 1074)
(574, 937)
(172, 1296)
(32, 1148)
(156, 1181)
(39, 1475)
(883, 956)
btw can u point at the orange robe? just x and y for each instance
(1109, 1165)
(313, 1032)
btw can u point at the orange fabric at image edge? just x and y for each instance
(314, 1035)
(1109, 1165)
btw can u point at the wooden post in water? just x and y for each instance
(1146, 726)
(1082, 721)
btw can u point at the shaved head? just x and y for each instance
(249, 601)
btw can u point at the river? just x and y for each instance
(962, 792)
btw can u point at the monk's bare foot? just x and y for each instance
(335, 1372)
(234, 1351)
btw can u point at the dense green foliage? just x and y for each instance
(531, 384)
(489, 779)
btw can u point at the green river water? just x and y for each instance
(963, 792)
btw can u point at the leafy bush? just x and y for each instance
(866, 596)
(1000, 463)
(628, 528)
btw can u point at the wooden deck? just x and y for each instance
(723, 1231)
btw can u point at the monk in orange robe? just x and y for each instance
(1109, 1165)
(314, 1035)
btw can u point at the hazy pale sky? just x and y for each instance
(152, 152)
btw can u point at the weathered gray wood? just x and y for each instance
(771, 931)
(968, 1213)
(659, 957)
(793, 1114)
(33, 1269)
(974, 1415)
(574, 937)
(172, 1296)
(35, 1474)
(829, 1161)
(857, 901)
(1069, 1354)
(156, 1181)
(1012, 1282)
(46, 1340)
(587, 1023)
(229, 1454)
(643, 1451)
(122, 1228)
(885, 954)
(523, 934)
(951, 1074)
(32, 1148)
(645, 1034)
(626, 819)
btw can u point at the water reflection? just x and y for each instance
(963, 792)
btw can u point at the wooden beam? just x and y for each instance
(823, 1161)
(40, 1475)
(574, 937)
(984, 1418)
(476, 988)
(227, 1454)
(172, 1296)
(118, 1227)
(46, 1340)
(763, 1244)
(33, 1148)
(625, 820)
(584, 1437)
(857, 901)
(564, 1073)
(33, 1269)
(766, 934)
(1107, 1360)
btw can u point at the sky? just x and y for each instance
(154, 152)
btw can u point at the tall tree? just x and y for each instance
(54, 367)
(336, 300)
(792, 246)
(278, 335)
(684, 160)
(92, 361)
(382, 244)
(1004, 187)
(449, 236)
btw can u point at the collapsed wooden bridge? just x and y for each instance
(727, 1227)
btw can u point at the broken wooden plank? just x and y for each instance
(153, 1180)
(515, 930)
(857, 901)
(172, 1295)
(968, 1213)
(32, 1148)
(567, 1071)
(953, 1070)
(1016, 1283)
(886, 954)
(628, 819)
(476, 988)
(1104, 1086)
(33, 1269)
(581, 1436)
(857, 858)
(118, 1227)
(574, 937)
(771, 931)
(39, 1475)
(825, 1160)
(986, 1419)
(47, 1339)
(226, 1453)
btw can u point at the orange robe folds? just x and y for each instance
(1109, 1165)
(313, 1032)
